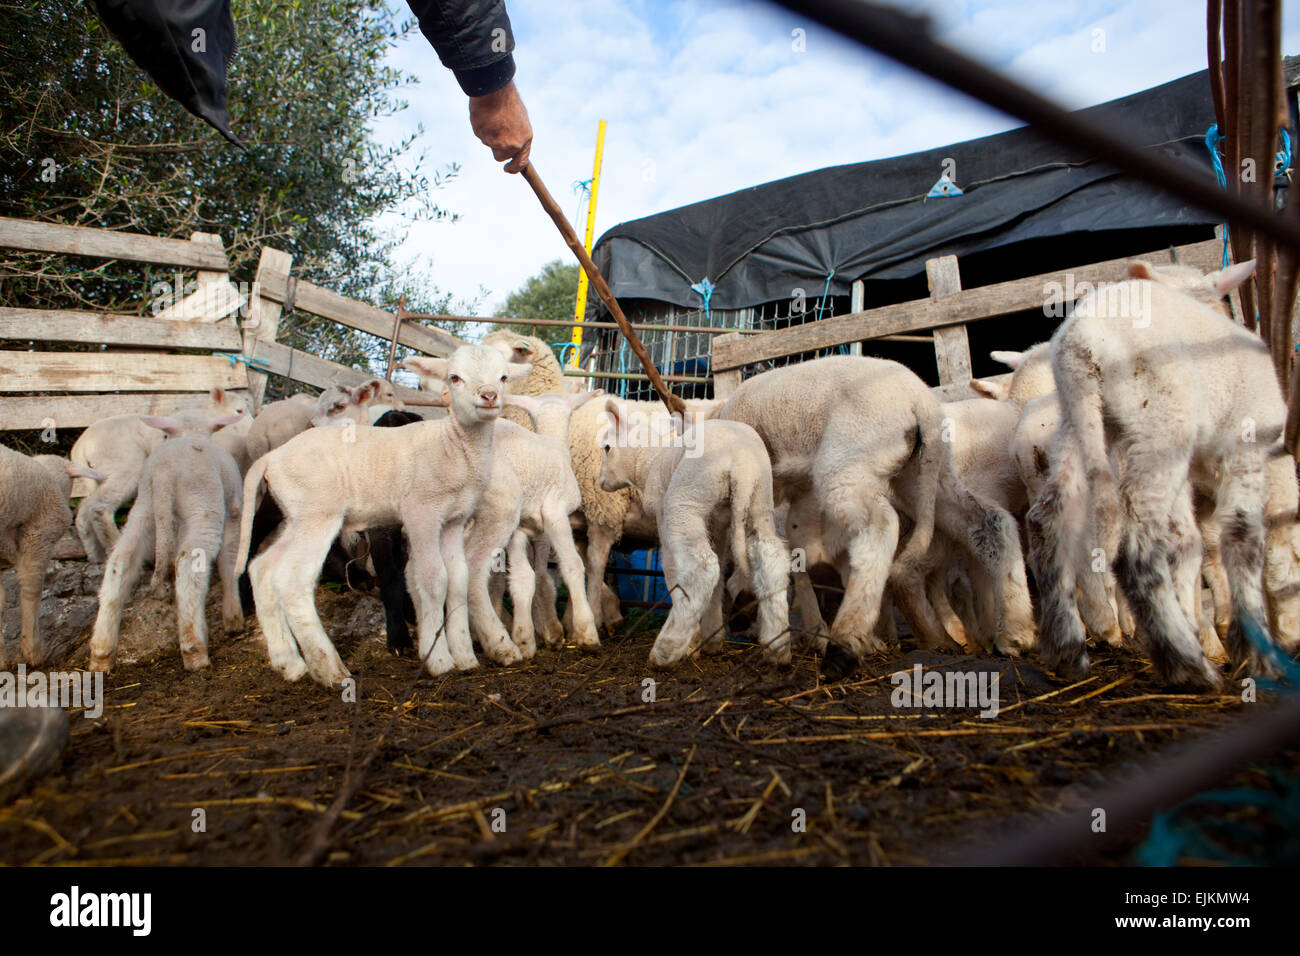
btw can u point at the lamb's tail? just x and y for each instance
(930, 457)
(164, 524)
(252, 484)
(1081, 414)
(744, 488)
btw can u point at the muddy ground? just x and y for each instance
(566, 761)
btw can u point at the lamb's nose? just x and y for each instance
(489, 397)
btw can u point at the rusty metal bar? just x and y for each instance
(633, 376)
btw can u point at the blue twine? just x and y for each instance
(1174, 837)
(705, 288)
(236, 357)
(582, 185)
(1213, 140)
(563, 348)
(1282, 163)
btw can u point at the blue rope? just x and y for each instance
(236, 357)
(821, 305)
(1282, 165)
(1174, 836)
(1213, 140)
(705, 288)
(563, 348)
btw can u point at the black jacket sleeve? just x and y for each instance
(472, 39)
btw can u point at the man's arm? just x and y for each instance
(473, 39)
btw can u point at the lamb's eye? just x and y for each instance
(455, 379)
(607, 448)
(503, 378)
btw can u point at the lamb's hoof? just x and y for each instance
(195, 661)
(1192, 675)
(232, 625)
(777, 654)
(589, 647)
(399, 645)
(505, 653)
(949, 646)
(101, 664)
(467, 666)
(1070, 668)
(32, 740)
(294, 671)
(838, 664)
(553, 640)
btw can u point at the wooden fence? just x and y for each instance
(945, 314)
(169, 362)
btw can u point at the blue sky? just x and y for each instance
(706, 97)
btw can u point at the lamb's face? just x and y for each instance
(616, 457)
(224, 404)
(474, 380)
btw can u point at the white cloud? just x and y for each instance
(705, 98)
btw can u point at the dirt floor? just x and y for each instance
(567, 761)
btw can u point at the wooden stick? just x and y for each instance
(673, 402)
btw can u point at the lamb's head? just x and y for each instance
(1031, 378)
(550, 412)
(339, 404)
(194, 425)
(473, 380)
(222, 403)
(518, 348)
(1209, 288)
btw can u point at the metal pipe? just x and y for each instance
(633, 376)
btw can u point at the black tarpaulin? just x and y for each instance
(873, 221)
(185, 45)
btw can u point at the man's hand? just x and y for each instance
(501, 122)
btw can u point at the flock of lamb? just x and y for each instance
(1136, 454)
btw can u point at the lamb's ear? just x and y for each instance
(615, 412)
(1009, 359)
(522, 349)
(367, 393)
(526, 402)
(518, 370)
(574, 402)
(169, 426)
(1225, 280)
(431, 367)
(1142, 270)
(223, 421)
(995, 390)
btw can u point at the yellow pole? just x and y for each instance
(580, 309)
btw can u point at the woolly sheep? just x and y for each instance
(185, 519)
(546, 376)
(118, 447)
(33, 516)
(427, 477)
(864, 435)
(280, 421)
(1151, 371)
(712, 484)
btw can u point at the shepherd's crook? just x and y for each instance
(673, 402)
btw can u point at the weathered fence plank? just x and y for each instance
(263, 320)
(951, 344)
(115, 371)
(109, 328)
(968, 306)
(78, 411)
(322, 373)
(109, 244)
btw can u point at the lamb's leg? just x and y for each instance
(388, 555)
(497, 588)
(545, 621)
(452, 546)
(104, 503)
(85, 525)
(937, 593)
(426, 579)
(560, 536)
(33, 559)
(599, 542)
(232, 611)
(1054, 524)
(694, 576)
(1151, 485)
(296, 579)
(1241, 514)
(1216, 576)
(484, 544)
(193, 574)
(814, 626)
(281, 649)
(1281, 552)
(713, 623)
(523, 582)
(770, 581)
(860, 512)
(121, 571)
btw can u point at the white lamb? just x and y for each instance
(280, 421)
(118, 447)
(185, 519)
(33, 516)
(864, 435)
(1151, 372)
(550, 496)
(713, 484)
(427, 477)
